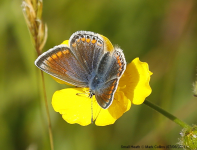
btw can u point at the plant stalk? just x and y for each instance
(166, 114)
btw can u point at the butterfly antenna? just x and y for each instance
(79, 94)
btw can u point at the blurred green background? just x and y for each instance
(161, 33)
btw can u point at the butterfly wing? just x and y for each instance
(105, 95)
(89, 54)
(88, 48)
(109, 71)
(61, 63)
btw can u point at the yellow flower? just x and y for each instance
(76, 107)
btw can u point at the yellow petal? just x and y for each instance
(74, 108)
(108, 45)
(136, 78)
(81, 109)
(66, 42)
(119, 106)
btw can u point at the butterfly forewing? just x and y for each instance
(61, 63)
(88, 49)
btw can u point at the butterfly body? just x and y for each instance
(87, 61)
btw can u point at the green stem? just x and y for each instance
(166, 114)
(47, 111)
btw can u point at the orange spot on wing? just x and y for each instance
(110, 92)
(106, 98)
(54, 56)
(99, 44)
(49, 59)
(109, 96)
(93, 41)
(112, 87)
(83, 39)
(51, 62)
(119, 62)
(117, 57)
(87, 40)
(59, 54)
(66, 52)
(78, 40)
(74, 44)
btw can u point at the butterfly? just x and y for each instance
(89, 60)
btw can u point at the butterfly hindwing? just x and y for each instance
(105, 95)
(109, 72)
